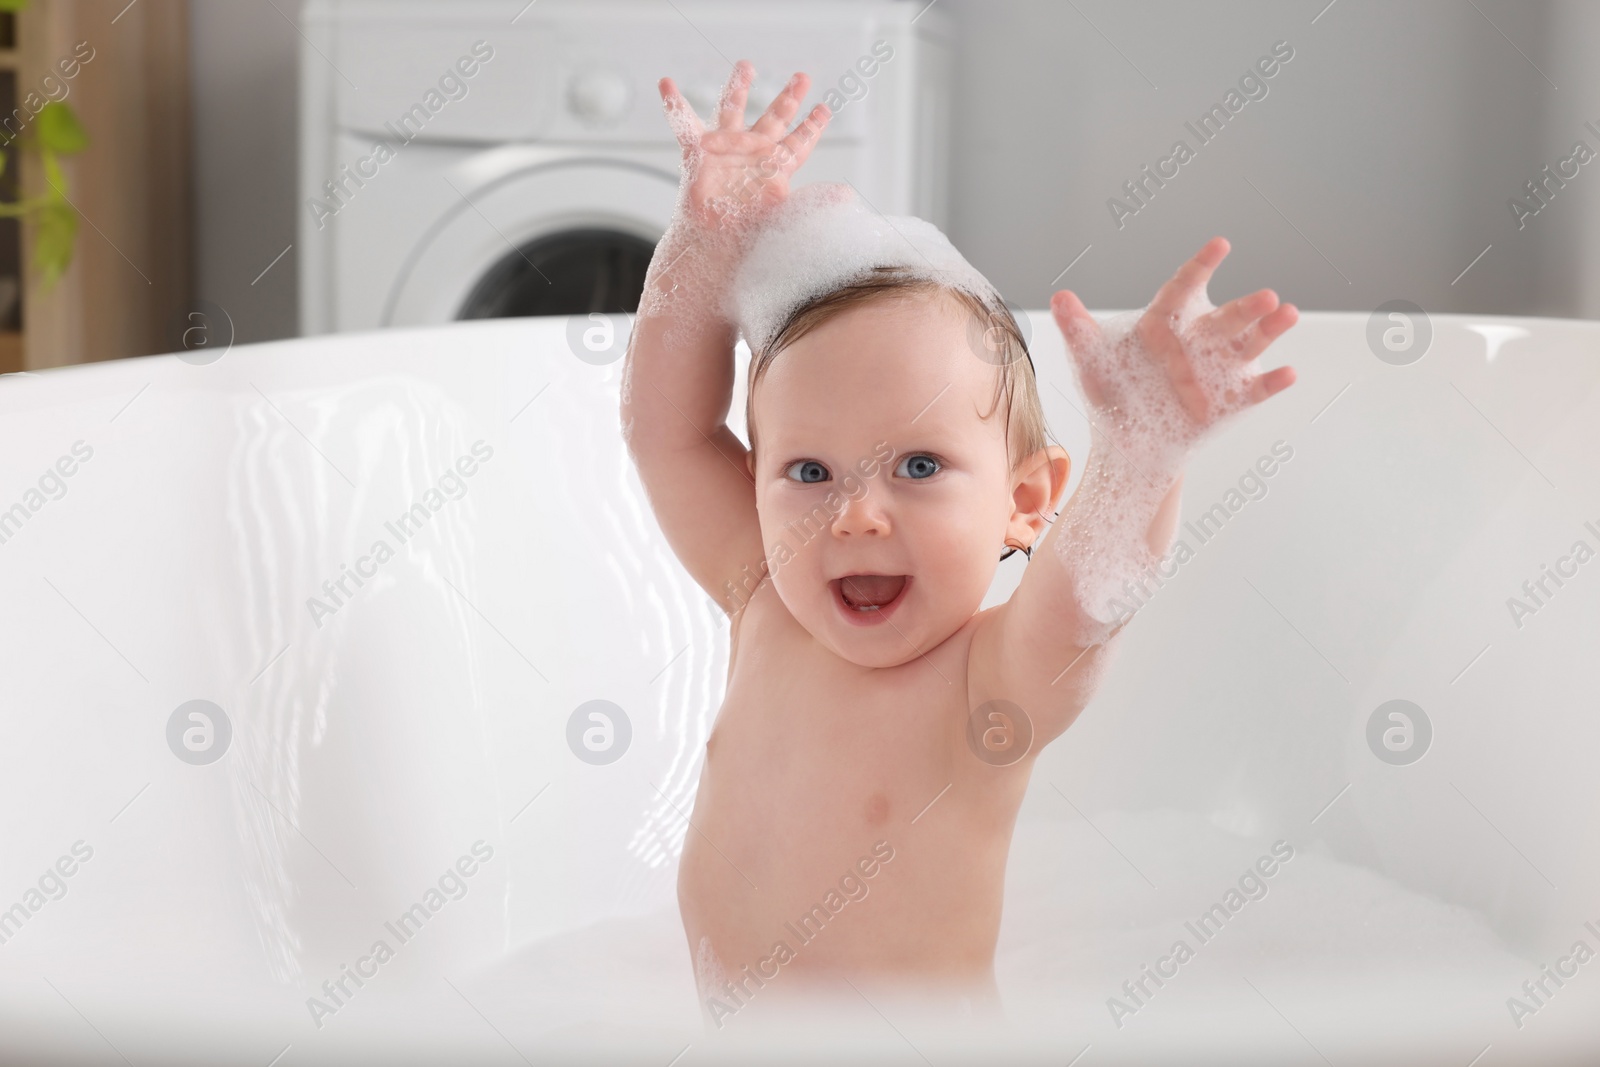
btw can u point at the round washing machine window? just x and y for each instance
(527, 230)
(574, 272)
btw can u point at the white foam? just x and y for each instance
(689, 274)
(745, 249)
(709, 975)
(825, 236)
(1143, 435)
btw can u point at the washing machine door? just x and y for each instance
(552, 238)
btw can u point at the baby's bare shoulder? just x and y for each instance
(1037, 676)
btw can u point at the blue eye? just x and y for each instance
(918, 465)
(807, 470)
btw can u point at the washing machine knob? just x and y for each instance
(598, 97)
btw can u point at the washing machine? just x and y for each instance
(479, 158)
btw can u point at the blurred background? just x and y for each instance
(184, 172)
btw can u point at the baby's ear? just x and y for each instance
(1062, 462)
(1044, 479)
(1040, 482)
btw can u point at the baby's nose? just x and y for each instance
(862, 515)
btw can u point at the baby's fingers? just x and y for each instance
(1273, 382)
(1076, 324)
(1190, 278)
(776, 118)
(686, 125)
(1267, 330)
(1232, 318)
(803, 138)
(730, 115)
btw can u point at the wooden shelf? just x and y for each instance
(130, 274)
(10, 351)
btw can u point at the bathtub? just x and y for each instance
(372, 640)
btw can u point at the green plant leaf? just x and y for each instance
(53, 176)
(12, 5)
(58, 129)
(55, 228)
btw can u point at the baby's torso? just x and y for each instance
(842, 824)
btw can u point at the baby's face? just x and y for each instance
(874, 461)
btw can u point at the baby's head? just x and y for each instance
(896, 431)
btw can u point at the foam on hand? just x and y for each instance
(1142, 438)
(824, 236)
(694, 260)
(744, 250)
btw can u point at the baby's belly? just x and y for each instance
(816, 862)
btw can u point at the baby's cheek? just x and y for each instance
(792, 538)
(963, 551)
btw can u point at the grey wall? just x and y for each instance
(1377, 167)
(1570, 272)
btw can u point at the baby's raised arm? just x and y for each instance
(678, 378)
(1154, 391)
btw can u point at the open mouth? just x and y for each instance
(868, 598)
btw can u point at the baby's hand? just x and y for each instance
(1154, 387)
(734, 175)
(1201, 358)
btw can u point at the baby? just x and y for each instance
(863, 777)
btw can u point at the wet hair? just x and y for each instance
(992, 326)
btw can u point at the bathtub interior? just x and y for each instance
(382, 731)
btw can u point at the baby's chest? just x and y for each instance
(812, 746)
(807, 739)
(817, 772)
(815, 734)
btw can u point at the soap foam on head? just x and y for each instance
(825, 237)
